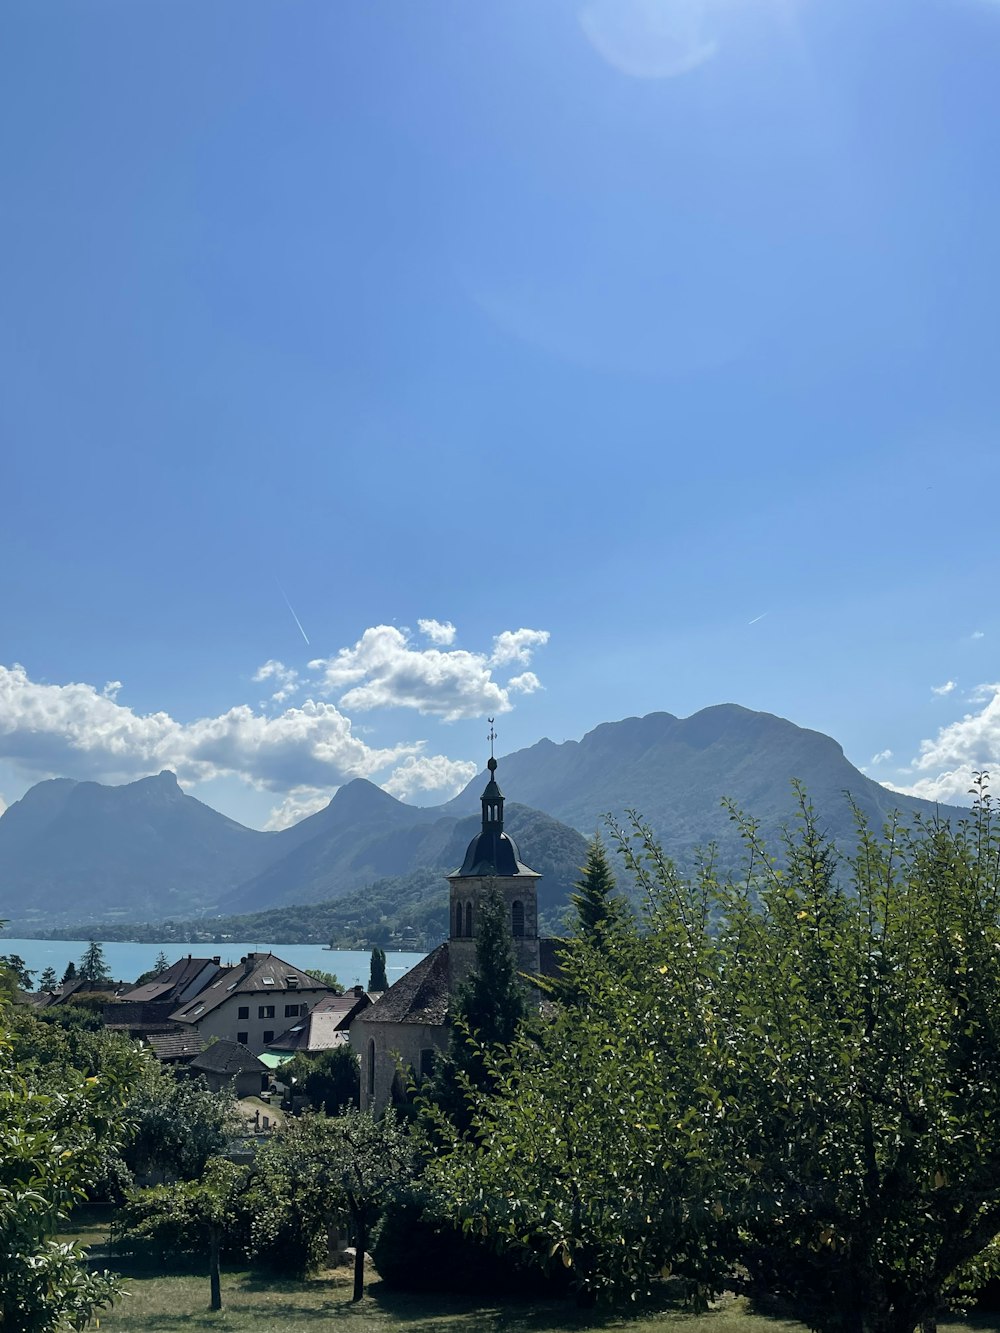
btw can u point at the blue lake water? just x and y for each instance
(127, 960)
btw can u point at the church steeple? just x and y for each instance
(492, 868)
(492, 797)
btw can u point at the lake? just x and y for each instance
(127, 960)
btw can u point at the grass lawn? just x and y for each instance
(167, 1302)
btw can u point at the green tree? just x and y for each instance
(93, 966)
(189, 1217)
(490, 1007)
(593, 1145)
(16, 966)
(862, 1066)
(328, 979)
(57, 1127)
(330, 1079)
(70, 974)
(161, 963)
(377, 979)
(177, 1124)
(596, 908)
(48, 980)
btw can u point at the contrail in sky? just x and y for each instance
(749, 622)
(292, 609)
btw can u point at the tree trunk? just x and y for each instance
(213, 1268)
(360, 1244)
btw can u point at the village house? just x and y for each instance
(408, 1025)
(251, 1002)
(325, 1026)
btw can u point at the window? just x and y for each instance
(243, 1011)
(268, 1037)
(291, 1011)
(241, 1037)
(371, 1067)
(265, 1011)
(517, 919)
(468, 920)
(427, 1057)
(458, 920)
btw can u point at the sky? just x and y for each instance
(372, 368)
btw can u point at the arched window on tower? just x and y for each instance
(458, 920)
(468, 920)
(371, 1069)
(517, 919)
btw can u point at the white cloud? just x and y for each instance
(977, 634)
(429, 773)
(111, 689)
(438, 631)
(526, 683)
(76, 731)
(517, 645)
(881, 757)
(3, 804)
(960, 749)
(297, 805)
(946, 688)
(286, 679)
(384, 670)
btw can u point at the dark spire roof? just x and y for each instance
(492, 852)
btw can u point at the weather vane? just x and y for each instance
(492, 736)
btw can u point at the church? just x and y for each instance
(408, 1024)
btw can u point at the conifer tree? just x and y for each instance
(70, 973)
(594, 902)
(93, 966)
(377, 979)
(490, 1007)
(48, 980)
(161, 964)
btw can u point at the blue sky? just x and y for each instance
(644, 350)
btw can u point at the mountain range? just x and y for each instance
(77, 851)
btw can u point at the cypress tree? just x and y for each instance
(377, 979)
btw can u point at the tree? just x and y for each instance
(596, 909)
(16, 966)
(328, 979)
(161, 964)
(593, 1145)
(315, 1171)
(862, 1063)
(489, 1008)
(377, 979)
(55, 1132)
(70, 974)
(93, 967)
(189, 1217)
(330, 1080)
(796, 1071)
(177, 1124)
(48, 980)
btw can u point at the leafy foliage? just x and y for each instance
(330, 1079)
(177, 1124)
(58, 1126)
(798, 1072)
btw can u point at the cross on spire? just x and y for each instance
(492, 736)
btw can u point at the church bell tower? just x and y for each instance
(492, 865)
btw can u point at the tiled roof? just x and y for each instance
(226, 1057)
(257, 974)
(419, 996)
(174, 1045)
(172, 982)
